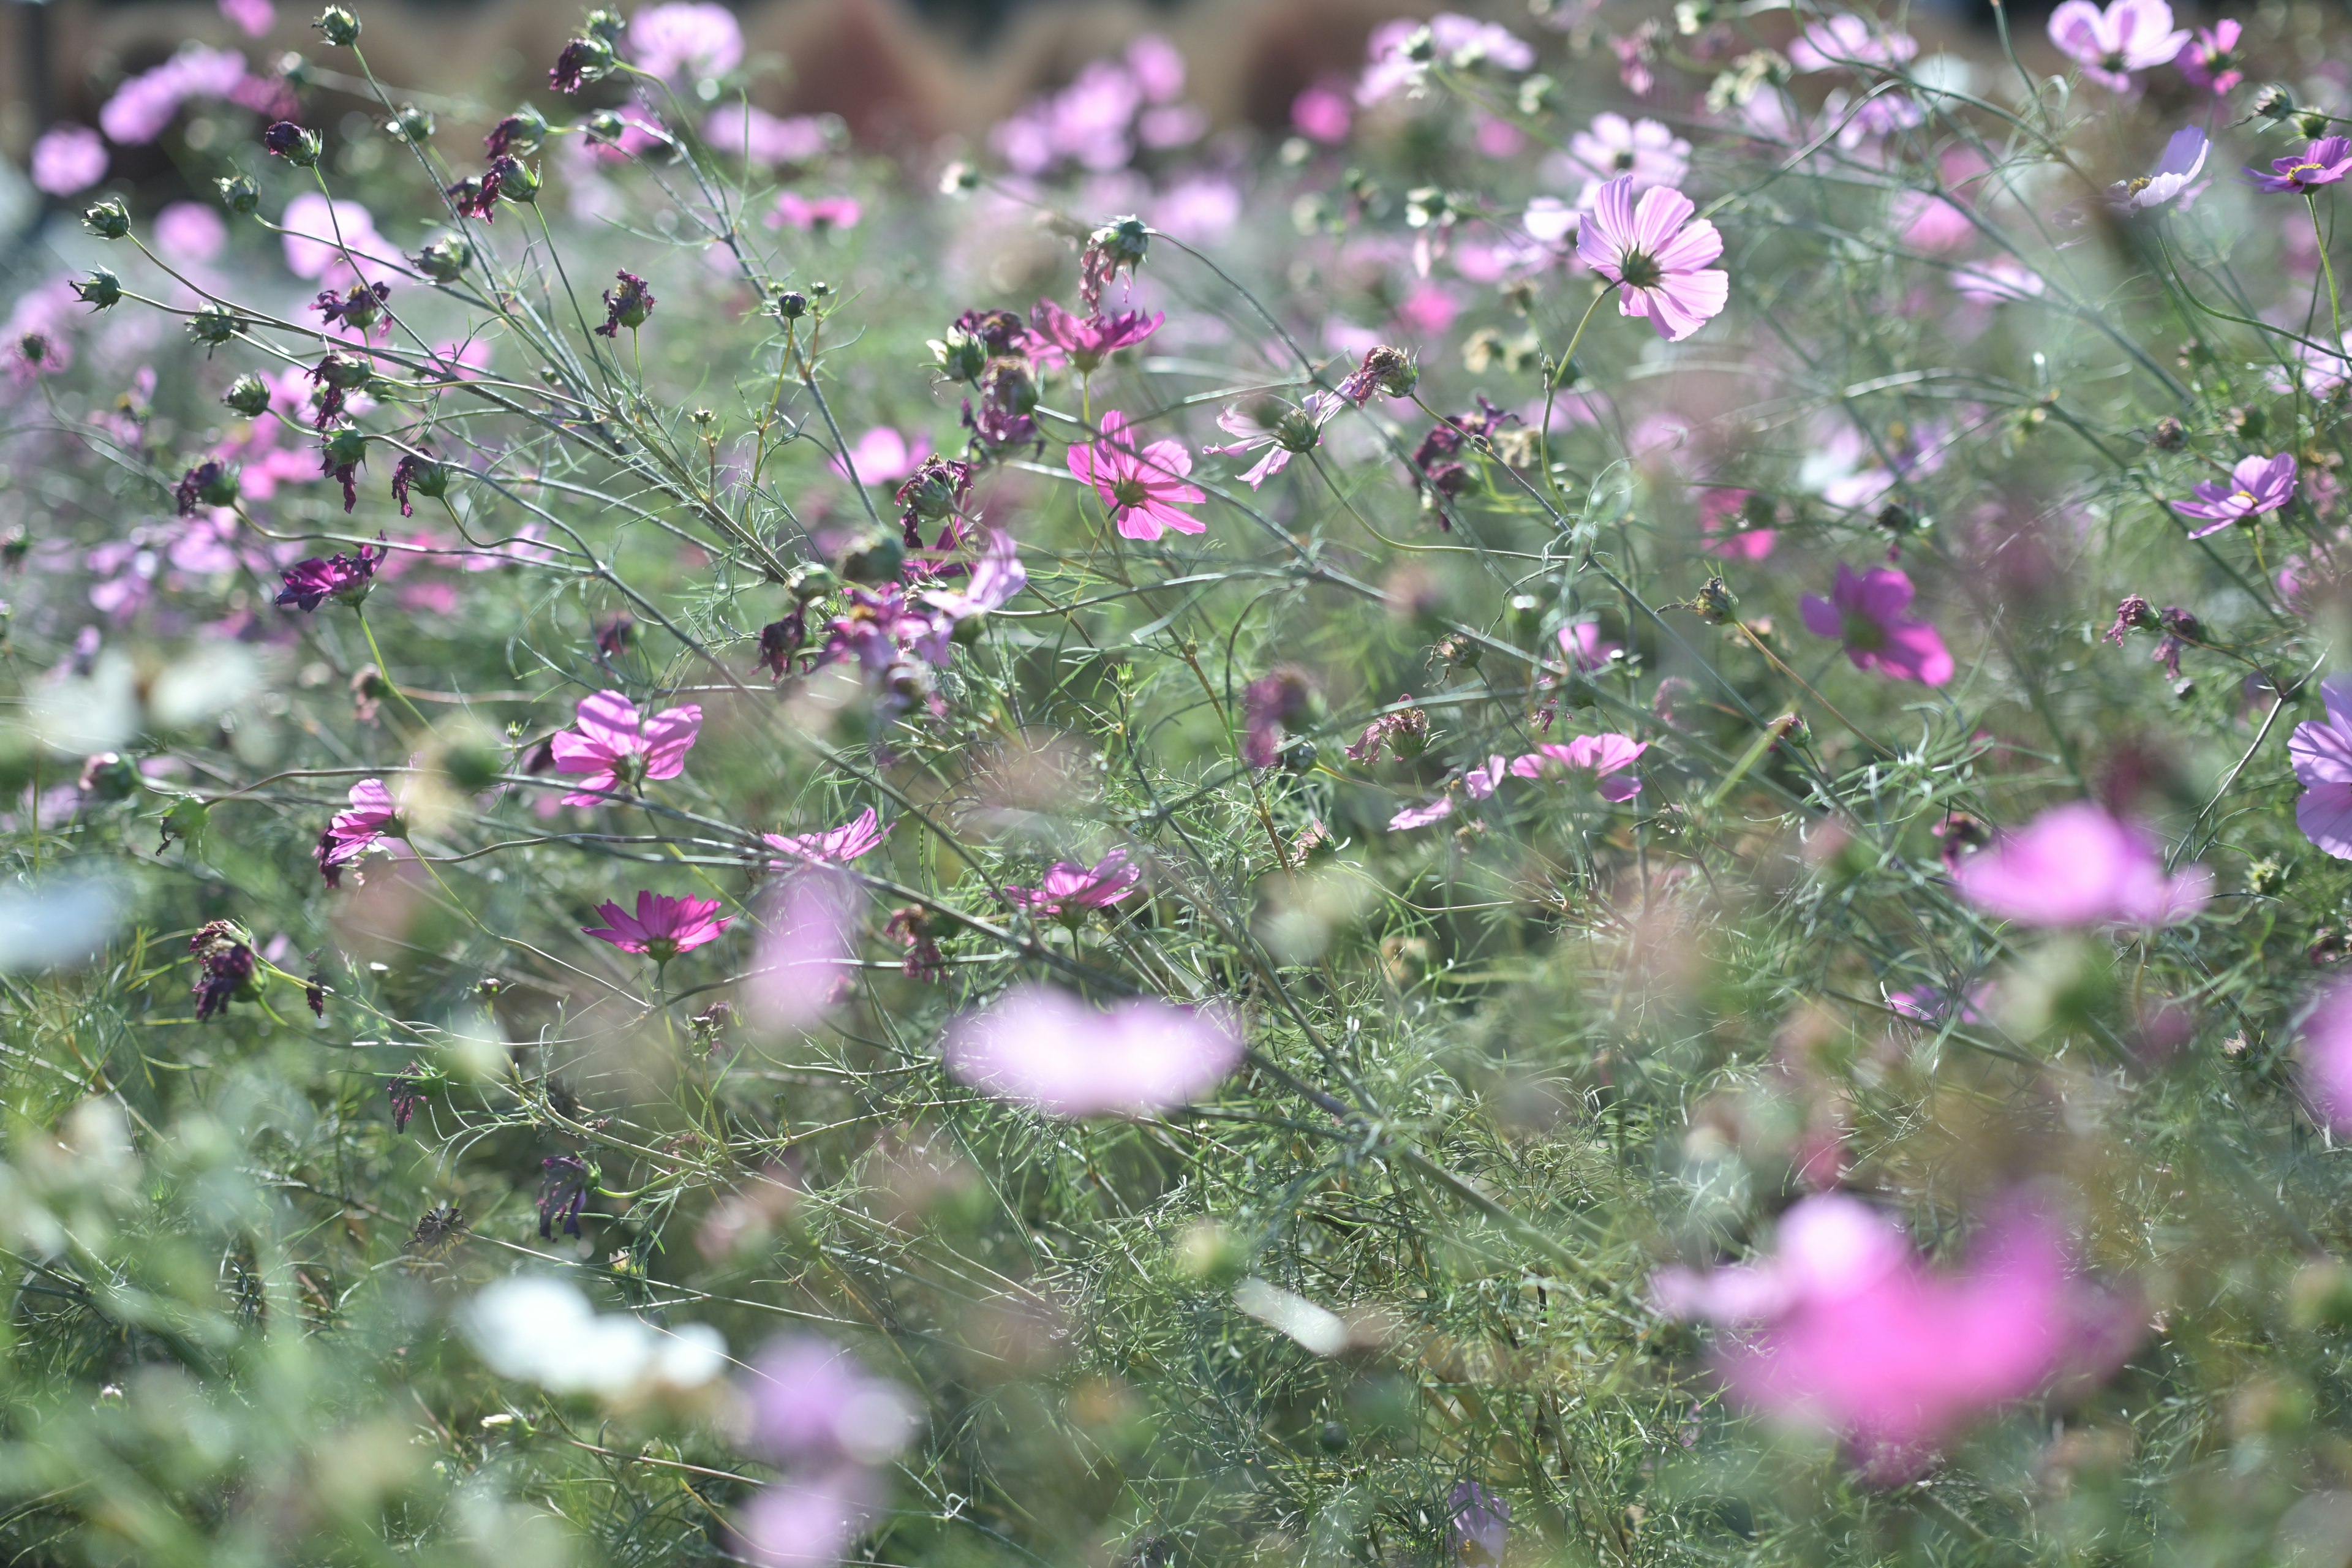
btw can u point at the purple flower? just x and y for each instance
(358, 308)
(1089, 340)
(1479, 1526)
(2078, 864)
(210, 483)
(618, 749)
(834, 846)
(662, 927)
(405, 1092)
(1070, 889)
(882, 632)
(1043, 1047)
(804, 961)
(813, 1406)
(1657, 254)
(563, 1191)
(2183, 160)
(2210, 60)
(995, 578)
(1865, 610)
(143, 106)
(1606, 757)
(1008, 400)
(2322, 753)
(67, 160)
(2256, 485)
(2325, 1056)
(2129, 36)
(1269, 704)
(2324, 163)
(225, 966)
(1142, 488)
(373, 818)
(628, 306)
(343, 578)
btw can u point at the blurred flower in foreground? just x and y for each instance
(2324, 163)
(1045, 1049)
(2183, 160)
(1142, 488)
(831, 1425)
(1657, 254)
(543, 1330)
(996, 578)
(1842, 1329)
(884, 456)
(2078, 864)
(253, 17)
(2256, 485)
(686, 39)
(662, 928)
(806, 957)
(1606, 757)
(2322, 753)
(1480, 1527)
(2129, 36)
(1866, 611)
(2211, 59)
(2326, 1056)
(834, 846)
(618, 750)
(67, 160)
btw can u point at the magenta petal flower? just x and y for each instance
(1141, 489)
(1089, 340)
(2078, 864)
(617, 751)
(2256, 485)
(1657, 254)
(1070, 889)
(662, 928)
(834, 846)
(2321, 755)
(2129, 36)
(343, 578)
(1606, 757)
(1043, 1047)
(2324, 163)
(374, 817)
(1422, 815)
(2211, 59)
(1865, 610)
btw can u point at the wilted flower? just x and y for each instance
(1070, 889)
(2078, 864)
(1403, 730)
(357, 308)
(619, 751)
(1142, 488)
(1384, 369)
(2256, 485)
(627, 306)
(1865, 610)
(1045, 1049)
(1006, 415)
(225, 966)
(210, 483)
(1270, 703)
(2321, 751)
(2129, 36)
(297, 144)
(781, 639)
(1657, 254)
(405, 1093)
(662, 928)
(519, 135)
(834, 846)
(584, 61)
(343, 578)
(373, 818)
(2324, 163)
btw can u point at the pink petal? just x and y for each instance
(609, 717)
(668, 736)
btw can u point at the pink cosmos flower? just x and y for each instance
(793, 210)
(190, 233)
(806, 955)
(2078, 864)
(1089, 339)
(1043, 1047)
(813, 1406)
(373, 818)
(1322, 114)
(142, 107)
(1657, 254)
(254, 18)
(1142, 488)
(1422, 815)
(2326, 1056)
(2324, 163)
(1722, 519)
(2256, 485)
(1606, 757)
(2210, 60)
(1200, 210)
(884, 456)
(1999, 280)
(662, 928)
(996, 577)
(1842, 1330)
(1462, 41)
(618, 750)
(1644, 150)
(1846, 40)
(1929, 222)
(67, 160)
(834, 846)
(317, 235)
(2322, 753)
(1070, 889)
(1865, 610)
(1277, 430)
(1581, 648)
(760, 137)
(686, 38)
(2129, 36)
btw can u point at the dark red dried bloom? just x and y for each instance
(475, 197)
(1008, 400)
(563, 1190)
(209, 483)
(308, 583)
(910, 926)
(407, 1093)
(1384, 369)
(225, 966)
(358, 308)
(627, 306)
(779, 640)
(1001, 331)
(1404, 733)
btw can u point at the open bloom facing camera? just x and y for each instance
(1657, 254)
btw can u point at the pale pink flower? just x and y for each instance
(805, 1522)
(618, 750)
(142, 107)
(2001, 280)
(686, 39)
(335, 242)
(884, 456)
(67, 160)
(1422, 815)
(1846, 40)
(2325, 1056)
(2321, 751)
(1068, 890)
(1042, 1047)
(812, 1405)
(1644, 151)
(1322, 114)
(254, 18)
(759, 137)
(1142, 488)
(1929, 222)
(190, 233)
(806, 955)
(1657, 254)
(2077, 865)
(1277, 431)
(1606, 757)
(1866, 611)
(793, 210)
(1158, 67)
(834, 846)
(662, 927)
(2129, 36)
(1198, 210)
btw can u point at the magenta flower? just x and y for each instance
(2324, 163)
(1087, 340)
(1480, 1528)
(343, 578)
(1657, 254)
(2321, 755)
(793, 210)
(1605, 757)
(1322, 114)
(1581, 648)
(2077, 865)
(2210, 60)
(1070, 889)
(691, 38)
(662, 928)
(834, 846)
(1142, 488)
(2256, 485)
(2129, 36)
(2326, 1056)
(67, 159)
(1044, 1048)
(1866, 611)
(1842, 1330)
(373, 818)
(620, 752)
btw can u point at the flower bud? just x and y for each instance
(346, 447)
(248, 396)
(100, 290)
(214, 325)
(1538, 95)
(429, 477)
(2274, 101)
(342, 372)
(238, 193)
(1420, 47)
(1715, 602)
(1527, 613)
(444, 260)
(812, 582)
(410, 124)
(875, 560)
(107, 219)
(604, 126)
(792, 304)
(606, 26)
(108, 776)
(960, 355)
(338, 27)
(295, 71)
(298, 145)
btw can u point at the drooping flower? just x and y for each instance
(225, 966)
(1403, 730)
(343, 578)
(1143, 488)
(686, 39)
(2129, 36)
(1842, 1330)
(375, 818)
(67, 160)
(996, 577)
(618, 750)
(2324, 163)
(1606, 757)
(1385, 368)
(833, 846)
(2078, 864)
(662, 928)
(357, 307)
(2183, 160)
(1657, 254)
(1865, 610)
(2321, 751)
(1479, 1525)
(627, 306)
(1068, 890)
(1279, 431)
(2256, 485)
(1007, 414)
(1087, 341)
(1043, 1047)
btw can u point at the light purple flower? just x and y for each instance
(2256, 485)
(190, 233)
(806, 955)
(2211, 60)
(813, 1406)
(619, 751)
(996, 578)
(1480, 1525)
(2077, 865)
(2324, 163)
(1845, 39)
(2183, 160)
(686, 39)
(1422, 815)
(1605, 757)
(1068, 890)
(834, 846)
(254, 18)
(806, 1521)
(662, 927)
(1657, 254)
(1322, 114)
(1866, 611)
(2321, 751)
(67, 160)
(2325, 1056)
(143, 106)
(2129, 36)
(1644, 150)
(1043, 1047)
(1483, 781)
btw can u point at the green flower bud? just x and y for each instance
(410, 124)
(444, 261)
(107, 219)
(338, 27)
(214, 325)
(100, 290)
(248, 396)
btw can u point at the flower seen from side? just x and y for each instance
(1067, 891)
(833, 846)
(373, 819)
(661, 927)
(2210, 59)
(2324, 163)
(1606, 757)
(2183, 160)
(345, 579)
(618, 750)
